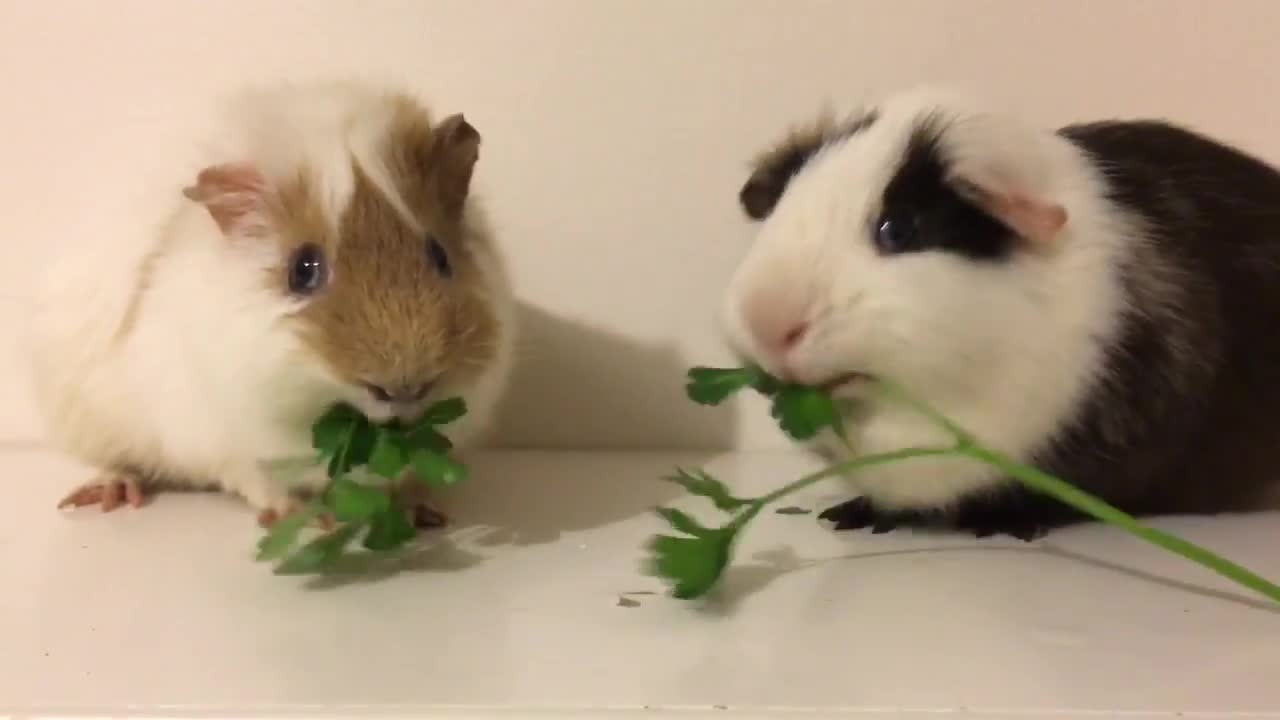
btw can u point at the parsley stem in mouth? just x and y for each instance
(695, 559)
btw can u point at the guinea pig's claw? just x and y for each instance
(110, 490)
(270, 516)
(424, 516)
(421, 512)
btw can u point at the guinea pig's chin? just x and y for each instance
(376, 412)
(815, 368)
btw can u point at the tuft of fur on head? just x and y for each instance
(774, 168)
(997, 308)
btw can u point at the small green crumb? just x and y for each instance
(627, 602)
(793, 510)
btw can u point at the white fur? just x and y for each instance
(208, 386)
(1006, 350)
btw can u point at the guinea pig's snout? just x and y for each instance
(405, 401)
(399, 394)
(776, 325)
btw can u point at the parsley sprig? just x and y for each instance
(347, 441)
(693, 560)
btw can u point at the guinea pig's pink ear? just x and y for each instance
(1005, 168)
(455, 149)
(1034, 218)
(235, 194)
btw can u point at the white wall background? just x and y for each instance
(616, 136)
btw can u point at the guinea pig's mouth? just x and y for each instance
(844, 381)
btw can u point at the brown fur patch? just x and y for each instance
(388, 317)
(774, 168)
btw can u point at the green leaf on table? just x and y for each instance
(284, 532)
(350, 500)
(692, 565)
(712, 386)
(698, 482)
(389, 530)
(444, 412)
(802, 411)
(388, 458)
(318, 554)
(330, 431)
(436, 468)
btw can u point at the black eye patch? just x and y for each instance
(922, 211)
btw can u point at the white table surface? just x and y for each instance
(514, 612)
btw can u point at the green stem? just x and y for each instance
(852, 466)
(1086, 503)
(1070, 495)
(900, 394)
(755, 506)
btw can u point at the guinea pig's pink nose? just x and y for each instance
(793, 336)
(775, 326)
(399, 393)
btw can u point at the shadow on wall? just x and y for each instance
(530, 498)
(584, 388)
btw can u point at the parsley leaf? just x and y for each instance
(692, 564)
(681, 521)
(388, 530)
(700, 483)
(330, 431)
(444, 412)
(284, 532)
(345, 440)
(316, 555)
(435, 468)
(364, 436)
(388, 457)
(428, 438)
(712, 386)
(802, 412)
(350, 500)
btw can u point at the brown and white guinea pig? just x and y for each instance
(1101, 300)
(329, 251)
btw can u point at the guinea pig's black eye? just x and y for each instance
(895, 233)
(307, 271)
(438, 257)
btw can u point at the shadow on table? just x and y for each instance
(744, 580)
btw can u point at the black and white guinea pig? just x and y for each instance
(1101, 300)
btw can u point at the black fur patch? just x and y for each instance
(774, 171)
(923, 203)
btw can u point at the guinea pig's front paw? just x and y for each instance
(422, 513)
(110, 489)
(860, 513)
(274, 504)
(985, 522)
(270, 516)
